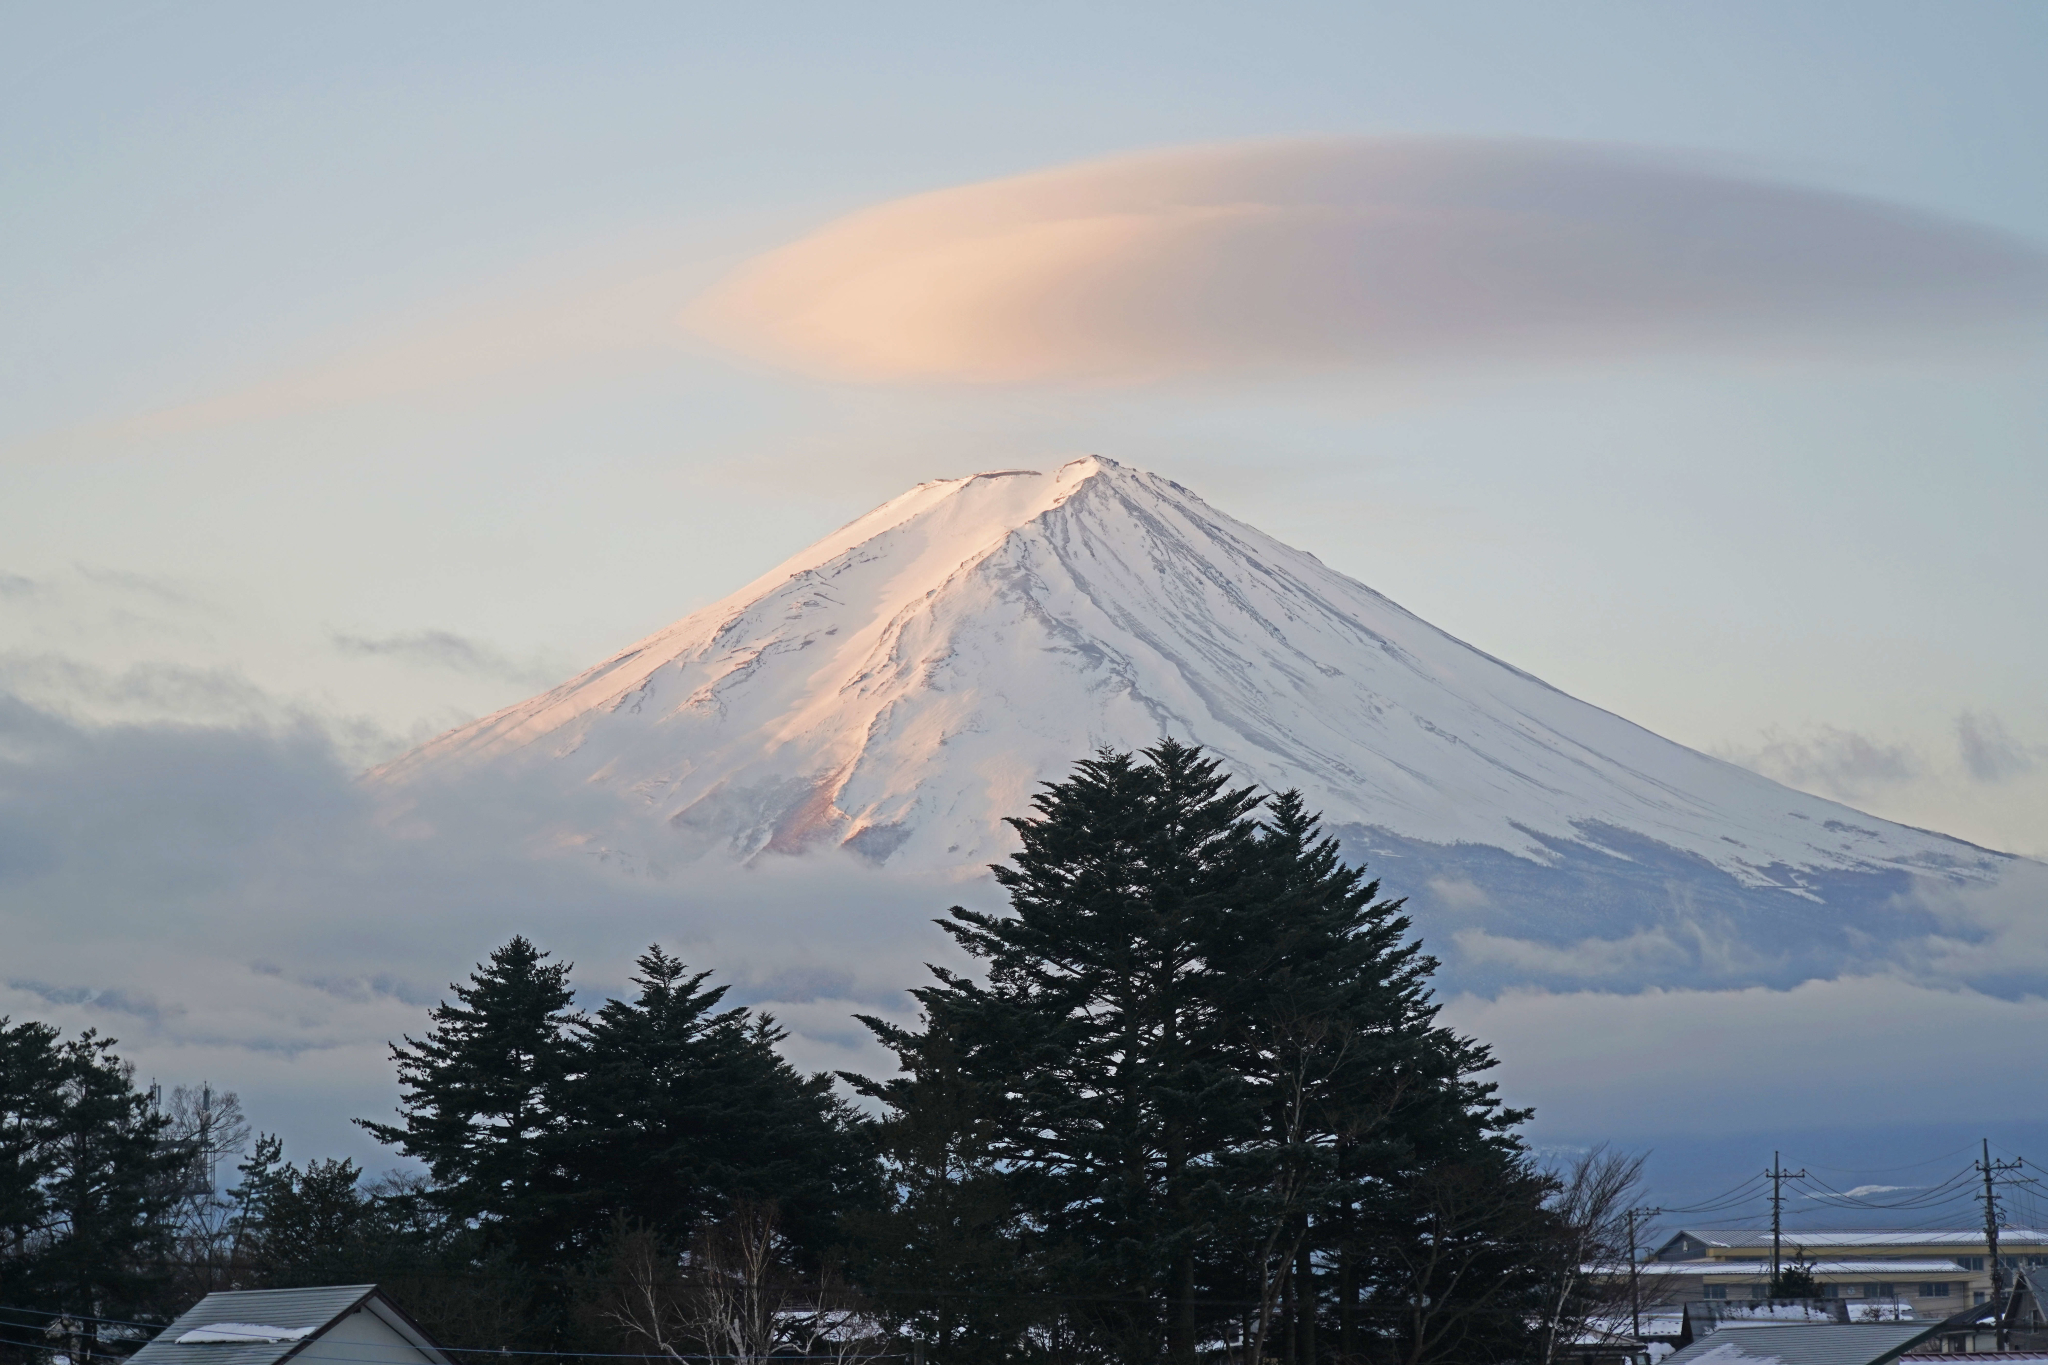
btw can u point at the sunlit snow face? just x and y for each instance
(1283, 256)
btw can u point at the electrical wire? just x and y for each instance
(1949, 1191)
(1888, 1170)
(1746, 1192)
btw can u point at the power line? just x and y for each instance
(1910, 1166)
(1948, 1191)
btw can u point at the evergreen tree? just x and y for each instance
(1361, 1090)
(31, 1111)
(484, 1101)
(87, 1181)
(948, 1257)
(1096, 1043)
(1203, 1065)
(682, 1109)
(1795, 1279)
(325, 1225)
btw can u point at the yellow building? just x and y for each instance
(1931, 1272)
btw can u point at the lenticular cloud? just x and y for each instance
(1284, 257)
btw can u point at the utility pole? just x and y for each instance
(1778, 1176)
(1991, 1170)
(1635, 1295)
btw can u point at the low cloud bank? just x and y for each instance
(233, 905)
(1287, 257)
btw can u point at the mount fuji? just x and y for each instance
(897, 689)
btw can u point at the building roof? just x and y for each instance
(270, 1326)
(1832, 1343)
(1889, 1270)
(1738, 1238)
(1711, 1315)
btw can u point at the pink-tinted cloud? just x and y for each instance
(1282, 257)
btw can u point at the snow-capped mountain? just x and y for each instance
(901, 686)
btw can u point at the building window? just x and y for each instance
(1830, 1291)
(1758, 1291)
(1887, 1291)
(1715, 1291)
(1970, 1262)
(1934, 1291)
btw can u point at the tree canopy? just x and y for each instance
(1196, 1093)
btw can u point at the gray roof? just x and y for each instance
(296, 1311)
(1834, 1343)
(1868, 1237)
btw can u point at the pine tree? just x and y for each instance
(483, 1104)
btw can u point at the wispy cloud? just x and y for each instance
(445, 649)
(1300, 256)
(134, 1004)
(152, 690)
(566, 327)
(1830, 760)
(154, 586)
(1989, 751)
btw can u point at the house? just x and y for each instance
(2026, 1307)
(353, 1324)
(1805, 1343)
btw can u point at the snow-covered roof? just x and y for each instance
(271, 1326)
(1832, 1343)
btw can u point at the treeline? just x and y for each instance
(1194, 1103)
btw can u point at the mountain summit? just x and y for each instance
(905, 683)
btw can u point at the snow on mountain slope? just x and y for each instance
(904, 684)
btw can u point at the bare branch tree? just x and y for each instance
(206, 1128)
(1594, 1193)
(734, 1297)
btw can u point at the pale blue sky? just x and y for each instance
(340, 386)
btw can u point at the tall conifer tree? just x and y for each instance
(483, 1104)
(1203, 1064)
(683, 1109)
(1095, 1039)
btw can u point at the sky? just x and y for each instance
(368, 368)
